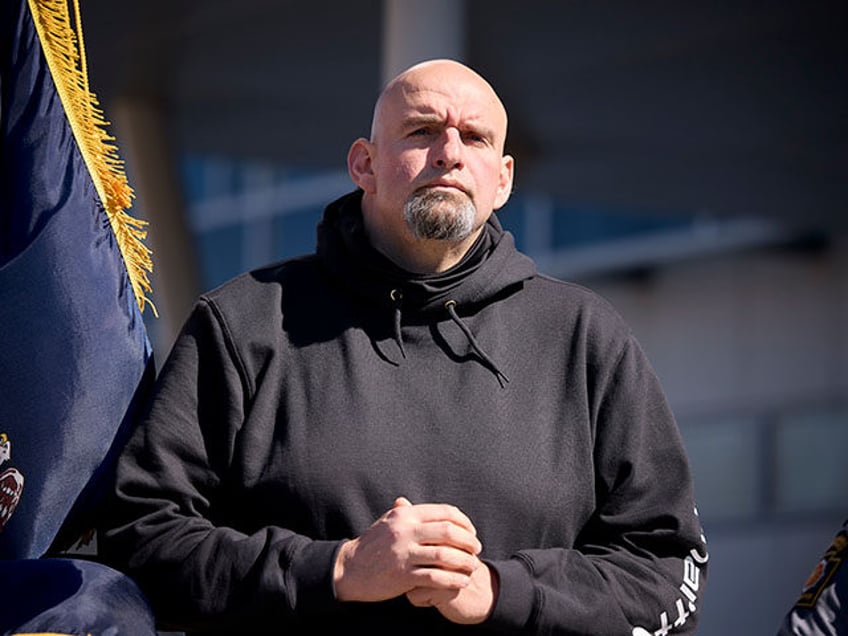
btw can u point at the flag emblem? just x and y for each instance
(11, 482)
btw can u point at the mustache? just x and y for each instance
(441, 191)
(444, 183)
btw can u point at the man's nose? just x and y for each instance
(447, 153)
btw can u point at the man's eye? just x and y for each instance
(419, 132)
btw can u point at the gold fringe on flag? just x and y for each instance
(64, 51)
(43, 634)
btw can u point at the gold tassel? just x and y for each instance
(64, 51)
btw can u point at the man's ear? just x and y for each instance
(359, 164)
(504, 181)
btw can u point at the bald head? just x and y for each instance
(434, 168)
(439, 75)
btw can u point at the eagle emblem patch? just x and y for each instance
(11, 483)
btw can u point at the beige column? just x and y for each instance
(416, 30)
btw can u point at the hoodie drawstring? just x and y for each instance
(450, 305)
(397, 296)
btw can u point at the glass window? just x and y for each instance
(220, 255)
(512, 219)
(811, 459)
(726, 465)
(588, 224)
(295, 233)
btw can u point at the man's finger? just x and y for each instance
(439, 579)
(430, 597)
(435, 512)
(446, 533)
(444, 557)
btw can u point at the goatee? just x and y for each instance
(440, 214)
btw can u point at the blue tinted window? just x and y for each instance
(295, 234)
(220, 255)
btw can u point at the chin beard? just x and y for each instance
(440, 215)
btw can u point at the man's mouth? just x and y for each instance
(445, 185)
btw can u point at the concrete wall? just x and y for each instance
(751, 336)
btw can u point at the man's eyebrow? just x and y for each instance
(418, 119)
(429, 119)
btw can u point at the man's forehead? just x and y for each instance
(440, 89)
(408, 101)
(434, 101)
(466, 89)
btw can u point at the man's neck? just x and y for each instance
(420, 256)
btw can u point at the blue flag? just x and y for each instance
(74, 354)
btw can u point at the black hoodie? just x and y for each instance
(301, 399)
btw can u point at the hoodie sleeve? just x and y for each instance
(161, 529)
(639, 565)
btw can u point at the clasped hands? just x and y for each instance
(427, 552)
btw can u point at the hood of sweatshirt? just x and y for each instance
(490, 269)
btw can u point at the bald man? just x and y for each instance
(436, 152)
(411, 430)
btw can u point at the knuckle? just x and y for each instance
(433, 577)
(446, 528)
(439, 554)
(452, 510)
(393, 515)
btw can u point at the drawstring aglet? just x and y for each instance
(450, 306)
(397, 296)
